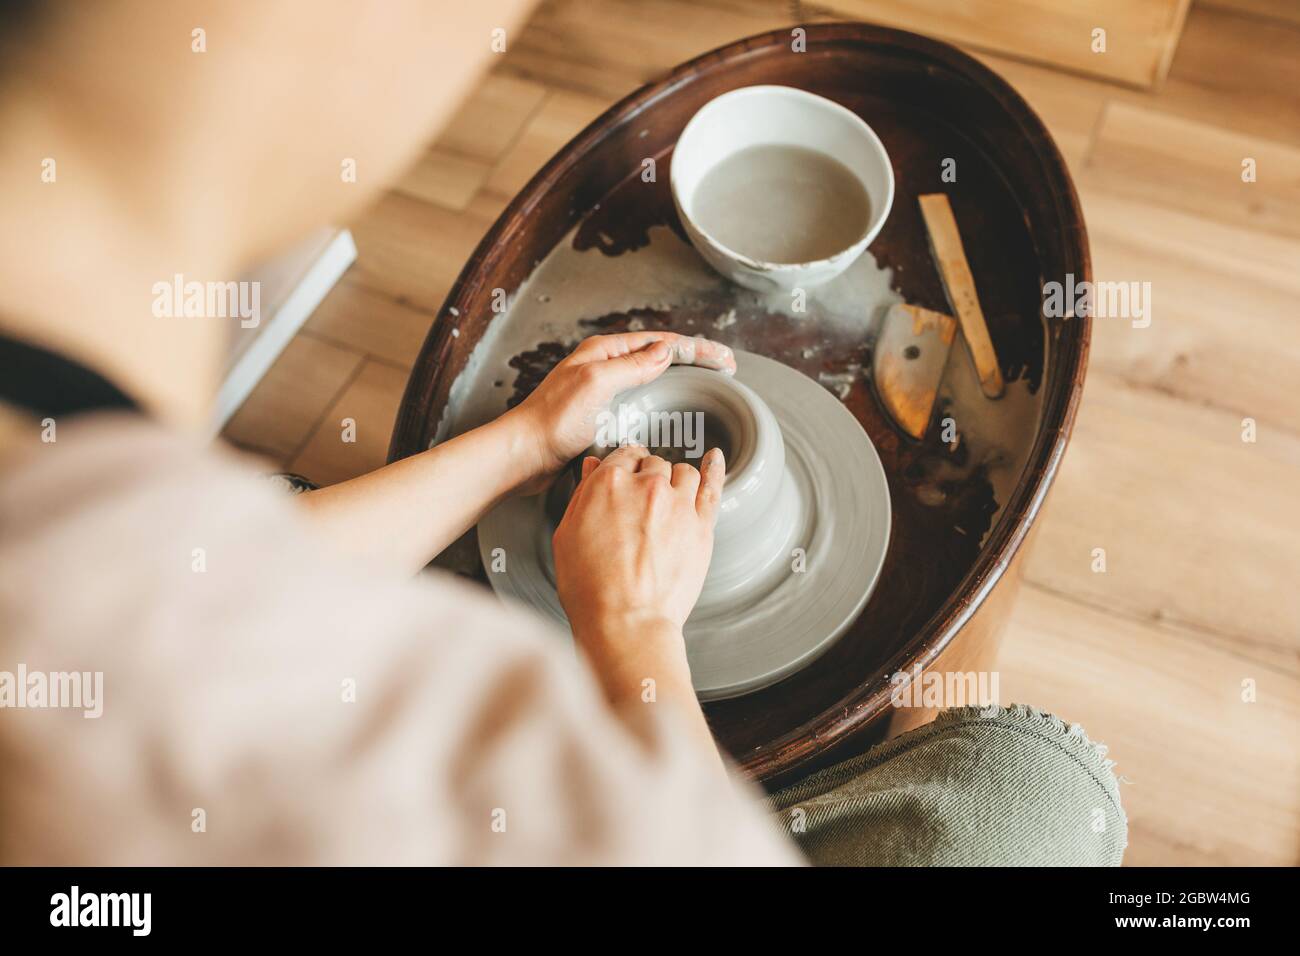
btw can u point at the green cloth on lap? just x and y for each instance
(977, 787)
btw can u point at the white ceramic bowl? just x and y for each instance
(778, 115)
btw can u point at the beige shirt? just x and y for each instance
(265, 701)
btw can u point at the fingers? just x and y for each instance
(654, 465)
(597, 347)
(625, 457)
(712, 473)
(615, 375)
(600, 348)
(685, 349)
(589, 464)
(686, 479)
(702, 352)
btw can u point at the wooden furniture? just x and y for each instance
(943, 595)
(1139, 40)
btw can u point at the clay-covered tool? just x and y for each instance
(950, 257)
(908, 364)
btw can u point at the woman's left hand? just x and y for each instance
(558, 420)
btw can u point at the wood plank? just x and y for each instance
(445, 179)
(370, 401)
(281, 411)
(1070, 106)
(488, 122)
(561, 117)
(1141, 35)
(1233, 72)
(607, 48)
(370, 322)
(1284, 11)
(411, 250)
(1148, 154)
(1223, 330)
(1256, 258)
(1198, 527)
(1240, 71)
(487, 206)
(1206, 778)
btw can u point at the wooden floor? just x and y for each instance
(1184, 656)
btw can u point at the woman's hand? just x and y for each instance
(630, 558)
(387, 514)
(558, 420)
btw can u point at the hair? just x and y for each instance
(18, 22)
(17, 15)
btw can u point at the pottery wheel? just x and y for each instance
(842, 535)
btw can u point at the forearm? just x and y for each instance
(405, 513)
(642, 664)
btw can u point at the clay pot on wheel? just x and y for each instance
(683, 414)
(802, 530)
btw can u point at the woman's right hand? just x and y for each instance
(631, 554)
(558, 420)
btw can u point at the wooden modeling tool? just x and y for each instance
(950, 257)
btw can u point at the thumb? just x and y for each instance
(709, 495)
(636, 368)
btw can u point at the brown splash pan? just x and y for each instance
(949, 578)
